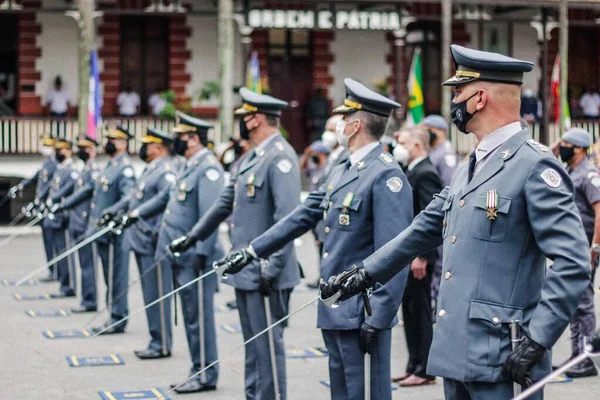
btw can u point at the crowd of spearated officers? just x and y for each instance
(502, 242)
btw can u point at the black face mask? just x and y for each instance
(460, 115)
(110, 148)
(180, 146)
(432, 137)
(315, 159)
(144, 153)
(83, 155)
(244, 131)
(60, 157)
(566, 153)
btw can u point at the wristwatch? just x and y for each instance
(595, 247)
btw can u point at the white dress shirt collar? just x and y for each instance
(362, 152)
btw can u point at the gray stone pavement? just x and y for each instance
(33, 367)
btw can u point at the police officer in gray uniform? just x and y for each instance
(187, 200)
(504, 213)
(63, 183)
(445, 160)
(265, 188)
(586, 179)
(78, 221)
(364, 203)
(141, 237)
(112, 185)
(43, 179)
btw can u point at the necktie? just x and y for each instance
(472, 162)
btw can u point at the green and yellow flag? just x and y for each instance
(416, 109)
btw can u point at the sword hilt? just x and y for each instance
(333, 301)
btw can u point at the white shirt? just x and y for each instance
(157, 103)
(58, 100)
(590, 102)
(491, 142)
(128, 103)
(362, 152)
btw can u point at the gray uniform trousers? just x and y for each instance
(88, 270)
(344, 349)
(66, 266)
(48, 247)
(457, 390)
(150, 285)
(120, 277)
(258, 371)
(583, 322)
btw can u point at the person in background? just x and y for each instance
(529, 105)
(312, 163)
(416, 303)
(156, 102)
(232, 153)
(572, 149)
(128, 101)
(317, 112)
(590, 103)
(58, 99)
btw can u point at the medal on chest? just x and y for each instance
(104, 183)
(140, 193)
(182, 193)
(491, 204)
(344, 218)
(250, 188)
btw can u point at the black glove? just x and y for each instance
(200, 265)
(105, 218)
(181, 244)
(368, 337)
(519, 363)
(265, 285)
(235, 261)
(349, 287)
(57, 208)
(125, 221)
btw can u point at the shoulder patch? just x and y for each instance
(450, 160)
(212, 174)
(386, 158)
(128, 172)
(551, 177)
(284, 165)
(170, 177)
(394, 184)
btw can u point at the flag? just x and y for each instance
(253, 81)
(94, 101)
(555, 88)
(416, 108)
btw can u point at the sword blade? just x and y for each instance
(21, 231)
(171, 293)
(15, 220)
(63, 255)
(267, 329)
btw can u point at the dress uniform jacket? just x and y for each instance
(264, 190)
(380, 208)
(158, 176)
(43, 178)
(445, 160)
(494, 269)
(187, 200)
(63, 184)
(78, 215)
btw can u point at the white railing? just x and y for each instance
(464, 144)
(22, 135)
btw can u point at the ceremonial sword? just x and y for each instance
(22, 230)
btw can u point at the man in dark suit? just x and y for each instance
(416, 303)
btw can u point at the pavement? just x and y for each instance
(34, 367)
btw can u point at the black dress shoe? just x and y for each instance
(82, 309)
(193, 386)
(111, 331)
(62, 295)
(48, 278)
(583, 369)
(149, 354)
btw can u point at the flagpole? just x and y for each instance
(564, 64)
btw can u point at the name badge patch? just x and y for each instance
(551, 177)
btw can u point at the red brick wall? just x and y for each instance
(110, 53)
(322, 59)
(28, 102)
(179, 55)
